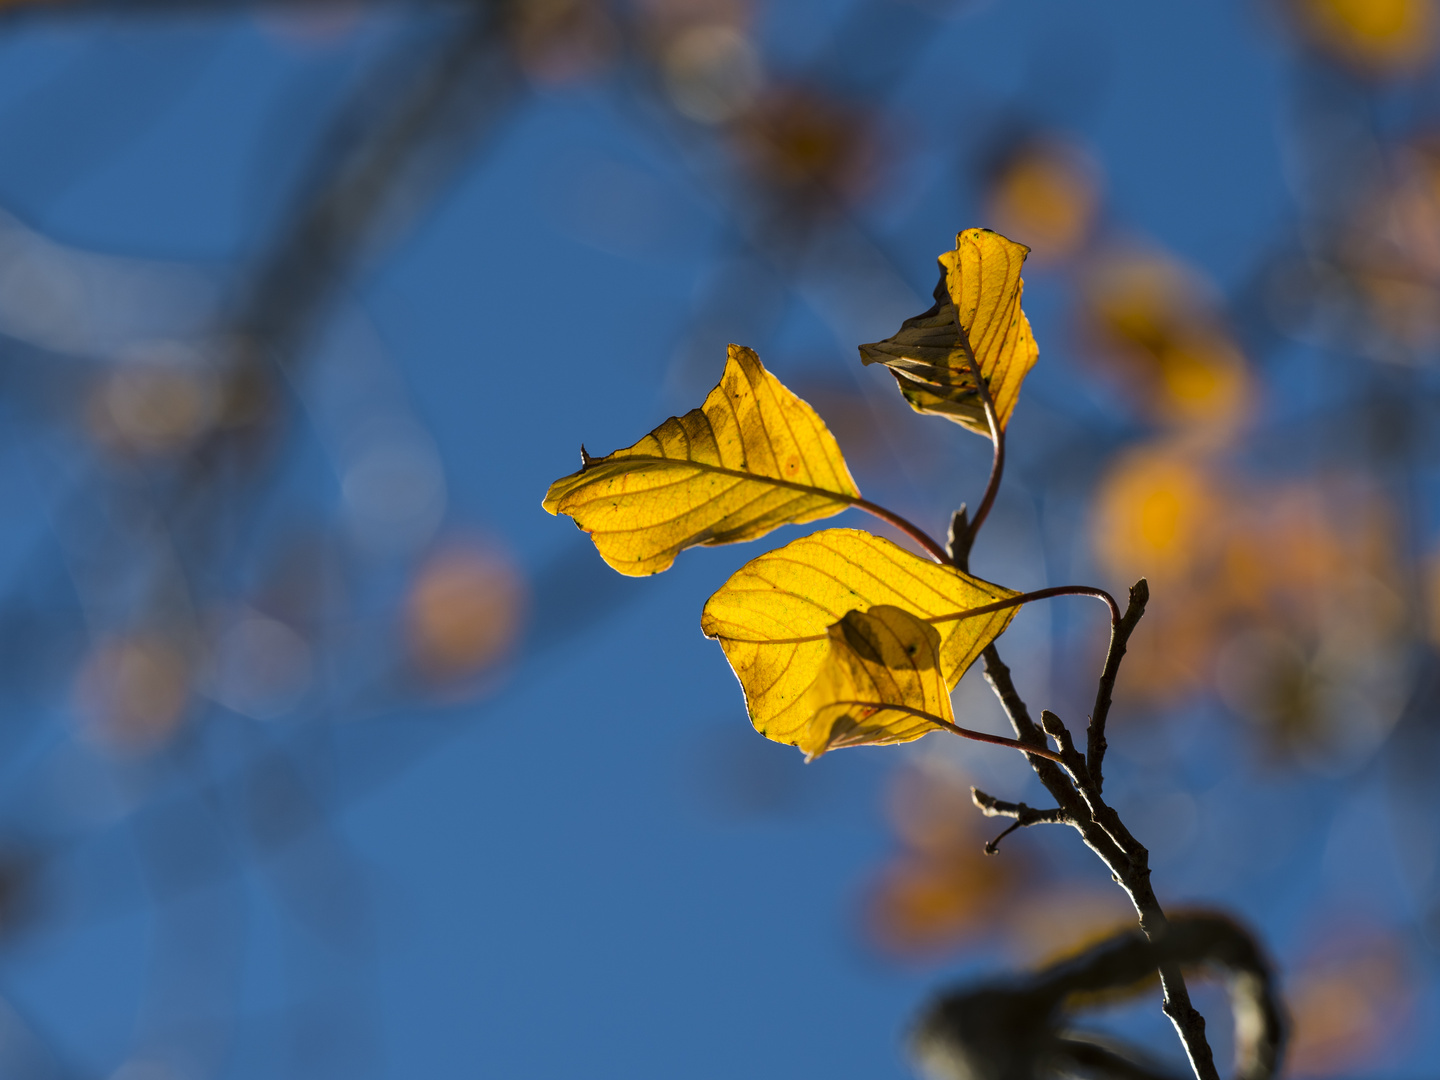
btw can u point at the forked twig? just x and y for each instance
(1073, 785)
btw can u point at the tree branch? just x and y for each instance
(997, 438)
(1024, 816)
(1120, 631)
(1132, 873)
(1126, 858)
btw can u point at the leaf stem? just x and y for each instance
(919, 535)
(1038, 594)
(997, 464)
(998, 740)
(997, 437)
(954, 729)
(969, 613)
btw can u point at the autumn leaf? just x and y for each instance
(774, 615)
(753, 457)
(979, 293)
(880, 683)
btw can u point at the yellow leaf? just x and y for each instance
(880, 683)
(753, 457)
(934, 365)
(773, 616)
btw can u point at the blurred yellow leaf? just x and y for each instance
(1047, 190)
(1157, 325)
(881, 683)
(1376, 36)
(940, 888)
(774, 615)
(980, 285)
(464, 611)
(1350, 1002)
(1156, 513)
(753, 457)
(158, 401)
(133, 690)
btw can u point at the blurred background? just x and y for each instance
(324, 752)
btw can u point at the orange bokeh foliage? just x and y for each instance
(1372, 37)
(941, 888)
(464, 612)
(1154, 324)
(1283, 597)
(1390, 252)
(1047, 191)
(1348, 1002)
(133, 690)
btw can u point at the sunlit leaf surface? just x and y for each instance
(752, 458)
(774, 615)
(880, 684)
(980, 283)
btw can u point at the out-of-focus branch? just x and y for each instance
(387, 153)
(1019, 1029)
(53, 9)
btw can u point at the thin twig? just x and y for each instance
(992, 847)
(1071, 758)
(1132, 873)
(1120, 631)
(1126, 858)
(1024, 816)
(957, 544)
(1051, 775)
(993, 807)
